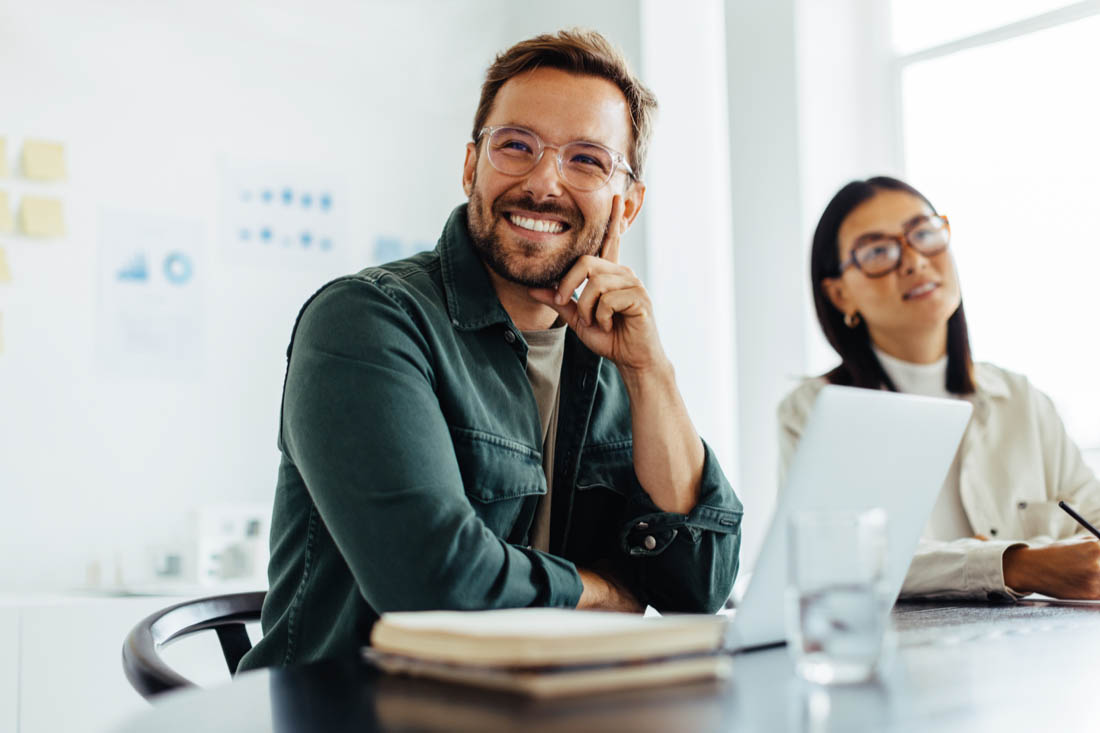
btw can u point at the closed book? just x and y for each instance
(550, 652)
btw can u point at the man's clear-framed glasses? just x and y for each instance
(585, 166)
(877, 255)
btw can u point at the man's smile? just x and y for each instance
(551, 226)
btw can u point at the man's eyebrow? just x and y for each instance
(583, 140)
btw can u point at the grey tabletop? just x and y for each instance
(957, 666)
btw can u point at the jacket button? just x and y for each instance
(650, 542)
(1022, 505)
(509, 336)
(642, 525)
(993, 531)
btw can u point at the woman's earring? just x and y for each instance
(851, 320)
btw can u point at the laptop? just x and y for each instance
(860, 449)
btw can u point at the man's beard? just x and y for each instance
(530, 264)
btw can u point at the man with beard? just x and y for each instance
(460, 431)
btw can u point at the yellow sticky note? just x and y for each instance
(41, 216)
(6, 223)
(5, 272)
(3, 158)
(43, 161)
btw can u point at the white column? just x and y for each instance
(769, 250)
(689, 243)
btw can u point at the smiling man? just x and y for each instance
(459, 431)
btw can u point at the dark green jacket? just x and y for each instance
(411, 468)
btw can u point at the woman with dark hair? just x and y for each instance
(887, 296)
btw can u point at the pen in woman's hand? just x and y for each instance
(1080, 520)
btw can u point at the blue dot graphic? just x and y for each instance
(266, 196)
(326, 244)
(307, 239)
(178, 268)
(265, 234)
(245, 235)
(288, 196)
(307, 200)
(326, 202)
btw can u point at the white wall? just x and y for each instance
(148, 98)
(690, 253)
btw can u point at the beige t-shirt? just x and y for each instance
(545, 351)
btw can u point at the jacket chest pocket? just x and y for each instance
(502, 478)
(1045, 519)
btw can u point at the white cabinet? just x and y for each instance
(9, 669)
(70, 674)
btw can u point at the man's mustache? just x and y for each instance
(571, 216)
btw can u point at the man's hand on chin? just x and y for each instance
(614, 315)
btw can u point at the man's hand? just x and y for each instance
(604, 593)
(1070, 571)
(614, 315)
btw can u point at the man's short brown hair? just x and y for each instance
(577, 51)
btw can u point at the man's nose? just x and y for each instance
(543, 182)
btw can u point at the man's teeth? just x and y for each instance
(537, 225)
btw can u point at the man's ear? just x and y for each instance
(633, 198)
(836, 293)
(469, 169)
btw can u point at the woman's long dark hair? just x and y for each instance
(859, 367)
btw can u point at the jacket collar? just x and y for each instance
(472, 302)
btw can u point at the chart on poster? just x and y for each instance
(151, 316)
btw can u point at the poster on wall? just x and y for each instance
(151, 320)
(283, 215)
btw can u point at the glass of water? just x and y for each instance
(836, 604)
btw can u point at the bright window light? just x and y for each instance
(1004, 139)
(920, 24)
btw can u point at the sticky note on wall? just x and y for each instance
(5, 271)
(44, 161)
(41, 216)
(3, 158)
(6, 221)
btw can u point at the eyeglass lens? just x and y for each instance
(881, 254)
(583, 165)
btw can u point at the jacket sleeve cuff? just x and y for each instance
(648, 531)
(563, 582)
(985, 570)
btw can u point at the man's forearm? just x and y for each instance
(603, 593)
(668, 453)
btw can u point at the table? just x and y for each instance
(968, 667)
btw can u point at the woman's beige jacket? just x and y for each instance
(1015, 463)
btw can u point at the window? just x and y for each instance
(1002, 134)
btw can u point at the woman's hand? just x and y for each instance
(1070, 571)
